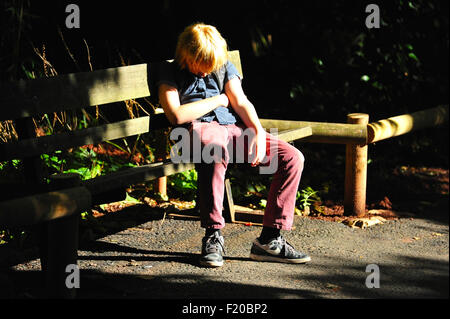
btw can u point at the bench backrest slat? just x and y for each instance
(73, 91)
(27, 98)
(235, 58)
(47, 144)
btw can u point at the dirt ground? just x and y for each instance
(142, 251)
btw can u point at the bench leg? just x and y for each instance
(58, 249)
(228, 203)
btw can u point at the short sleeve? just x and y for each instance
(166, 74)
(231, 72)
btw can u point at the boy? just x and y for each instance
(191, 94)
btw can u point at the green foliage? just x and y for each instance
(248, 187)
(13, 163)
(332, 65)
(184, 184)
(307, 197)
(262, 203)
(18, 236)
(83, 161)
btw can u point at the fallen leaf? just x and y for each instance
(150, 202)
(333, 287)
(364, 222)
(437, 234)
(96, 213)
(132, 262)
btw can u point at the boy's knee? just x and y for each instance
(296, 159)
(300, 159)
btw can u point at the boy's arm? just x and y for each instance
(246, 111)
(178, 114)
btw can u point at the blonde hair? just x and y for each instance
(201, 47)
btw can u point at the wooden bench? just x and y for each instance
(54, 203)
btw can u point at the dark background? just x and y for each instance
(302, 60)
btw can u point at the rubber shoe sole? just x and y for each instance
(211, 263)
(280, 259)
(275, 251)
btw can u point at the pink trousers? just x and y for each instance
(221, 144)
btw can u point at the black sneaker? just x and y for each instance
(278, 250)
(212, 250)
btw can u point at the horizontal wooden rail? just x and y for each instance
(402, 124)
(27, 98)
(334, 133)
(130, 176)
(44, 207)
(356, 135)
(47, 144)
(294, 134)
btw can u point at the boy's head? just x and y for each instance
(201, 49)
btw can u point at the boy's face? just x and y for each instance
(198, 70)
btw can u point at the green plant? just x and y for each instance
(184, 184)
(307, 197)
(262, 203)
(10, 164)
(16, 236)
(83, 161)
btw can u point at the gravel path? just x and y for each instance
(157, 259)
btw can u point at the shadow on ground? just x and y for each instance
(408, 277)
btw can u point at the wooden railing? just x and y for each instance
(357, 134)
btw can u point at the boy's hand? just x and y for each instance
(258, 148)
(225, 100)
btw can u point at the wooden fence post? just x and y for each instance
(59, 244)
(160, 184)
(356, 171)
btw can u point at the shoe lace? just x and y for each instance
(288, 248)
(213, 244)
